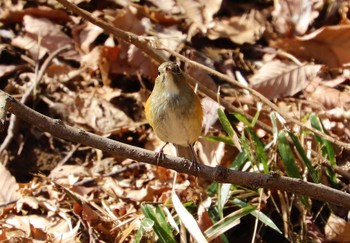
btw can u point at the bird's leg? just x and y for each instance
(160, 154)
(194, 159)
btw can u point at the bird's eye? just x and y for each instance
(158, 73)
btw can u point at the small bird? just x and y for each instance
(174, 111)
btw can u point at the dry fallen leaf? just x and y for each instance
(337, 229)
(42, 36)
(8, 185)
(277, 79)
(91, 110)
(200, 12)
(6, 69)
(294, 15)
(329, 45)
(8, 17)
(334, 98)
(239, 29)
(166, 5)
(86, 36)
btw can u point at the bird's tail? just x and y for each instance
(187, 152)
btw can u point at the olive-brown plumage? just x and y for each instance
(173, 110)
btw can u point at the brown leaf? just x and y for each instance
(8, 185)
(91, 109)
(165, 5)
(200, 12)
(210, 113)
(126, 19)
(6, 69)
(294, 15)
(169, 14)
(52, 38)
(276, 79)
(86, 35)
(337, 229)
(328, 45)
(129, 59)
(327, 96)
(54, 15)
(239, 29)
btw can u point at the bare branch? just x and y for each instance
(143, 45)
(14, 123)
(220, 174)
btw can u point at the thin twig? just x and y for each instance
(142, 44)
(219, 174)
(14, 123)
(260, 97)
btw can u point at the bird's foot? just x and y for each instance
(160, 154)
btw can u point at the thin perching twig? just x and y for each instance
(14, 123)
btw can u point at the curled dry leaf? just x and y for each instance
(64, 174)
(239, 29)
(202, 78)
(337, 229)
(42, 36)
(86, 36)
(129, 58)
(200, 12)
(6, 69)
(210, 153)
(277, 79)
(171, 38)
(328, 45)
(334, 98)
(294, 16)
(210, 110)
(58, 16)
(42, 228)
(91, 110)
(168, 6)
(198, 74)
(8, 185)
(127, 20)
(97, 113)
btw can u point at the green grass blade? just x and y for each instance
(146, 225)
(314, 175)
(255, 118)
(246, 147)
(259, 149)
(214, 216)
(258, 214)
(274, 127)
(223, 195)
(228, 128)
(225, 123)
(227, 222)
(239, 161)
(242, 119)
(326, 148)
(161, 226)
(287, 155)
(288, 159)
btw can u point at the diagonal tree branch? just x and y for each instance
(219, 174)
(148, 47)
(143, 44)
